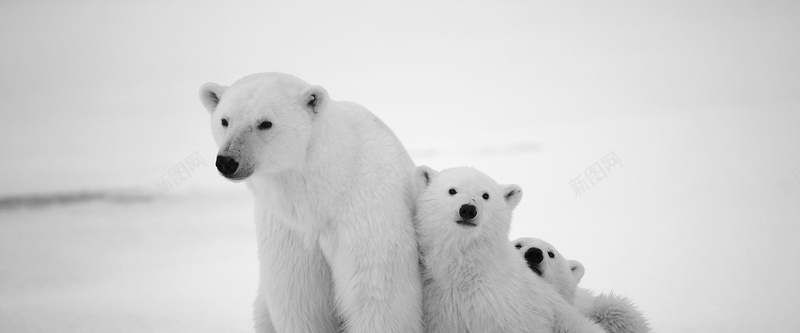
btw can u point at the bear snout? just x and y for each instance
(534, 257)
(226, 165)
(468, 211)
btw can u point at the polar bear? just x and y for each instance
(472, 280)
(615, 313)
(544, 260)
(333, 195)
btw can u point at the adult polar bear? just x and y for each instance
(334, 198)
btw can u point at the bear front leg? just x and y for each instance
(375, 267)
(295, 281)
(261, 317)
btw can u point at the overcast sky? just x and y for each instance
(93, 85)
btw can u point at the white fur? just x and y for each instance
(473, 281)
(562, 273)
(334, 200)
(616, 314)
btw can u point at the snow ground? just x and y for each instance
(168, 264)
(683, 235)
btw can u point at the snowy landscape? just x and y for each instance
(657, 143)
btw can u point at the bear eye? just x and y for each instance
(518, 246)
(265, 125)
(452, 191)
(224, 122)
(551, 254)
(486, 196)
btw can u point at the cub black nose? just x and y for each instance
(534, 256)
(226, 165)
(467, 211)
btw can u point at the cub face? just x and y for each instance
(544, 260)
(262, 123)
(461, 204)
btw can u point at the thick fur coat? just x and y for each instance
(615, 313)
(473, 281)
(333, 206)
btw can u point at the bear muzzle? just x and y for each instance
(467, 212)
(534, 257)
(227, 165)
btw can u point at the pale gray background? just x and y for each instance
(699, 100)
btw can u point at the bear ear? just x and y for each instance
(314, 98)
(577, 270)
(512, 194)
(210, 94)
(423, 176)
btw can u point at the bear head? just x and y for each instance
(461, 205)
(262, 123)
(544, 260)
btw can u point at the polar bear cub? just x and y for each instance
(616, 314)
(334, 196)
(472, 280)
(545, 260)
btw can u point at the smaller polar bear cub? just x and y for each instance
(544, 260)
(472, 280)
(616, 314)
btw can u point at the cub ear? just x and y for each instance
(512, 194)
(577, 270)
(423, 176)
(314, 98)
(210, 94)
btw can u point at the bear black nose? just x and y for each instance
(226, 165)
(534, 256)
(467, 211)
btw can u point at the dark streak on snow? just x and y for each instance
(70, 198)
